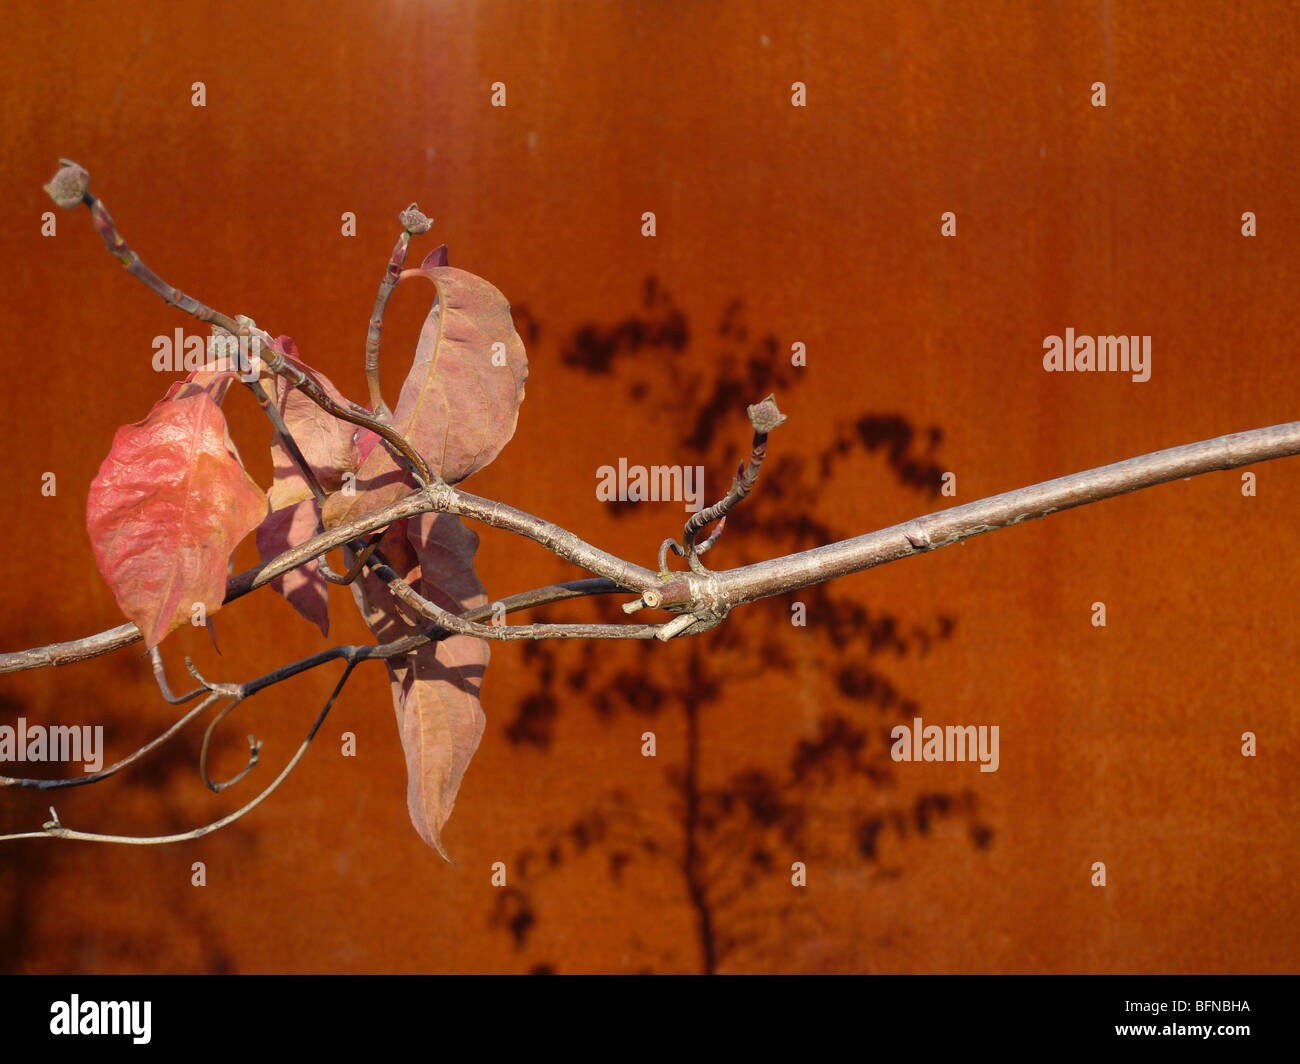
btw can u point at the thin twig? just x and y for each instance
(559, 541)
(54, 829)
(413, 222)
(352, 654)
(254, 749)
(765, 417)
(113, 769)
(671, 544)
(160, 675)
(452, 622)
(173, 296)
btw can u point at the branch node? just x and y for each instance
(225, 690)
(918, 536)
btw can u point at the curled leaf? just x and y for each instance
(166, 510)
(460, 402)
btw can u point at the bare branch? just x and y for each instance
(130, 759)
(701, 599)
(557, 540)
(725, 589)
(455, 623)
(721, 591)
(90, 646)
(54, 829)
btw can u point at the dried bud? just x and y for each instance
(414, 222)
(68, 186)
(764, 416)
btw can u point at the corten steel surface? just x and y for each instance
(817, 225)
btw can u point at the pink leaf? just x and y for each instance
(441, 722)
(167, 509)
(436, 257)
(460, 403)
(366, 441)
(325, 441)
(435, 689)
(304, 587)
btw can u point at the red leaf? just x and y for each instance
(460, 402)
(304, 587)
(435, 689)
(167, 509)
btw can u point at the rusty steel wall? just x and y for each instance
(775, 225)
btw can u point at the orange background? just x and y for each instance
(1119, 744)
